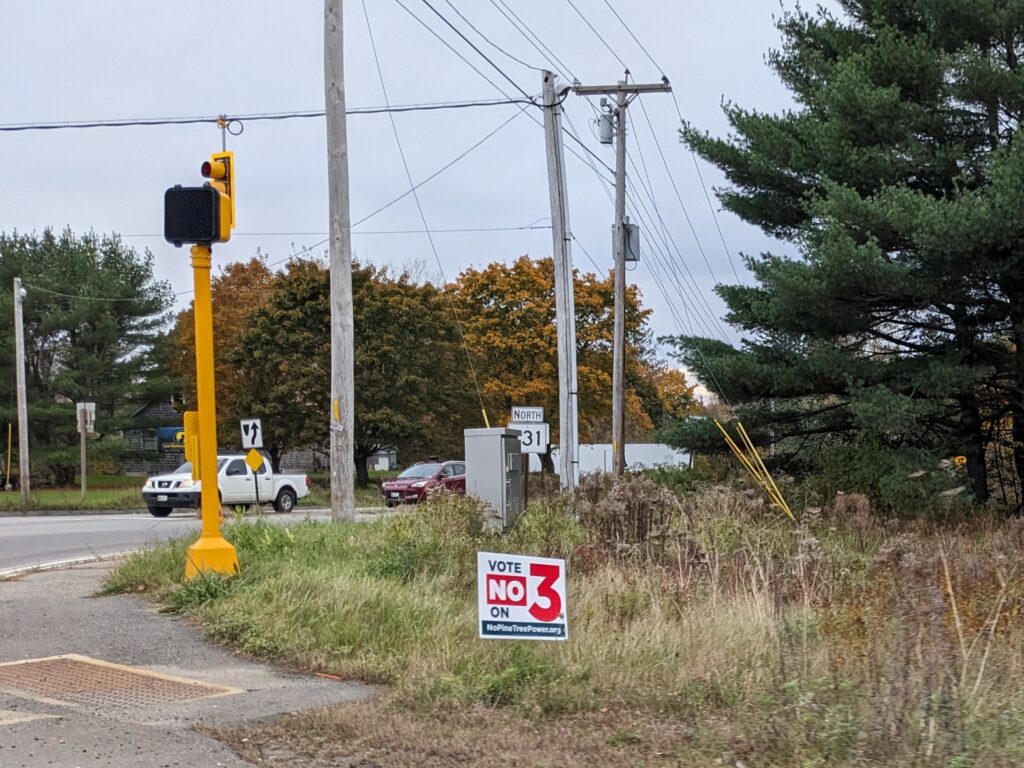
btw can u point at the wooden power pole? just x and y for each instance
(19, 364)
(565, 304)
(622, 93)
(342, 416)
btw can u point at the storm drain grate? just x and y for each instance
(74, 679)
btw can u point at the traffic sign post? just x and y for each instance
(86, 413)
(252, 433)
(255, 460)
(521, 598)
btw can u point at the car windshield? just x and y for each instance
(186, 468)
(421, 470)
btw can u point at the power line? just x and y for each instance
(488, 40)
(499, 89)
(509, 14)
(635, 40)
(679, 197)
(88, 298)
(598, 34)
(468, 42)
(227, 119)
(419, 207)
(587, 254)
(377, 231)
(693, 155)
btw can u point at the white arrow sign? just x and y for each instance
(252, 434)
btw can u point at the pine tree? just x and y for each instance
(898, 329)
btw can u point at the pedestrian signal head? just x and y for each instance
(203, 215)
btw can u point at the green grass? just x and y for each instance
(71, 498)
(729, 635)
(320, 495)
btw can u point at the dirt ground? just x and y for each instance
(379, 735)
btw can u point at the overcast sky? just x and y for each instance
(72, 60)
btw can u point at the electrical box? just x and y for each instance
(494, 473)
(632, 241)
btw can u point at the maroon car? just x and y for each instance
(419, 480)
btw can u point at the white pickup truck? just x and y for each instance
(237, 482)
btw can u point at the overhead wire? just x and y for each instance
(683, 293)
(488, 40)
(597, 34)
(498, 88)
(218, 119)
(748, 454)
(419, 207)
(679, 199)
(523, 28)
(469, 42)
(648, 187)
(453, 230)
(693, 155)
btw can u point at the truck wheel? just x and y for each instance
(285, 500)
(160, 511)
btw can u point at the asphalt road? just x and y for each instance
(28, 541)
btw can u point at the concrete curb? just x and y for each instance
(12, 573)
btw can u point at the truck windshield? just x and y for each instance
(186, 468)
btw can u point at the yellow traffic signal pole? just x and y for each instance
(211, 552)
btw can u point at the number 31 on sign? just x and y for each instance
(521, 598)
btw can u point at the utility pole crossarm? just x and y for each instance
(605, 90)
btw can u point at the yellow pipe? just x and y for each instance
(756, 454)
(487, 423)
(739, 454)
(770, 489)
(211, 552)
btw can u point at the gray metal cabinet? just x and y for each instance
(494, 472)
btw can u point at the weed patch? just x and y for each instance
(716, 629)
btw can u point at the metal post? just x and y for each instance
(82, 421)
(621, 91)
(619, 353)
(24, 482)
(342, 334)
(565, 305)
(211, 552)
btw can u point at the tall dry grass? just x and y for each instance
(843, 640)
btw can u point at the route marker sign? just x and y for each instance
(533, 438)
(252, 433)
(521, 598)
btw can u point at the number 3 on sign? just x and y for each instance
(549, 575)
(521, 598)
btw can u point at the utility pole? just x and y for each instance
(624, 93)
(565, 304)
(342, 332)
(19, 365)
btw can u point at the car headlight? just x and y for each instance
(186, 483)
(420, 484)
(148, 485)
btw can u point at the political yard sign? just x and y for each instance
(521, 598)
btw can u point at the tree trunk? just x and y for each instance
(1016, 401)
(974, 447)
(547, 464)
(275, 459)
(362, 471)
